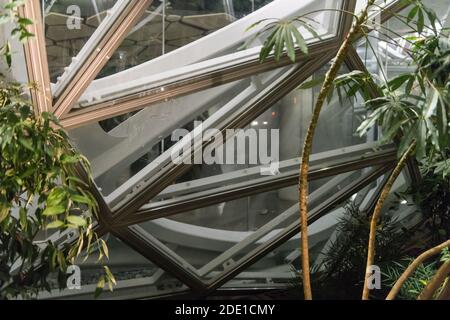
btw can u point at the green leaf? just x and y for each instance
(104, 248)
(279, 42)
(420, 21)
(308, 27)
(4, 212)
(55, 224)
(412, 13)
(24, 21)
(52, 211)
(290, 44)
(27, 143)
(81, 199)
(7, 53)
(269, 44)
(257, 23)
(312, 83)
(100, 286)
(397, 82)
(23, 218)
(57, 197)
(110, 275)
(77, 221)
(300, 41)
(70, 159)
(409, 85)
(432, 105)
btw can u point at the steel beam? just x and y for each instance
(137, 238)
(210, 77)
(188, 84)
(98, 58)
(213, 196)
(36, 58)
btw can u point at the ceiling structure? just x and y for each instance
(136, 211)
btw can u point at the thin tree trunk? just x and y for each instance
(307, 146)
(376, 216)
(445, 293)
(413, 267)
(435, 283)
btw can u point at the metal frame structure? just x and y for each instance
(36, 58)
(106, 39)
(121, 213)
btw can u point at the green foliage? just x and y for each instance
(9, 14)
(433, 197)
(418, 280)
(413, 106)
(340, 275)
(417, 14)
(415, 284)
(283, 37)
(40, 193)
(343, 267)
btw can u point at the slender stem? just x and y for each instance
(380, 64)
(413, 267)
(445, 292)
(307, 146)
(435, 283)
(377, 213)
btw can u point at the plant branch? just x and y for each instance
(307, 146)
(445, 292)
(377, 213)
(435, 283)
(413, 267)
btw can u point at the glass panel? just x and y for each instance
(68, 26)
(171, 25)
(136, 276)
(285, 125)
(202, 237)
(276, 269)
(387, 54)
(189, 32)
(118, 149)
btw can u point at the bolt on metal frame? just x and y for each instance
(135, 236)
